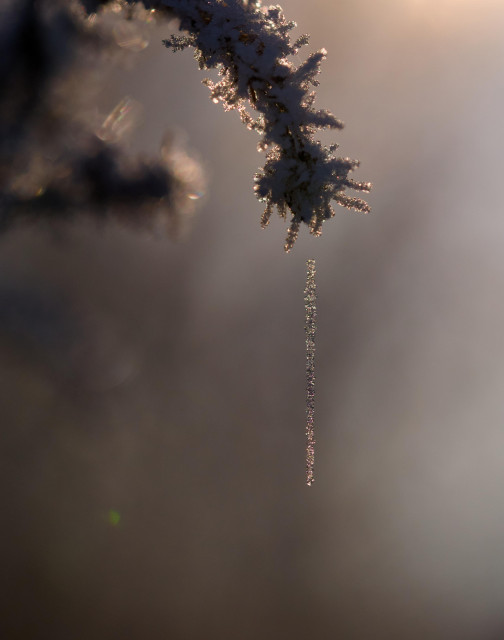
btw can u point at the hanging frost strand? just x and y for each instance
(310, 298)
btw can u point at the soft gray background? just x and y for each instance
(166, 381)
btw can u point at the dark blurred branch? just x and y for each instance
(54, 161)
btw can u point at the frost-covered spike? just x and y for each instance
(306, 73)
(342, 166)
(265, 218)
(282, 210)
(353, 203)
(324, 120)
(316, 223)
(300, 42)
(359, 186)
(292, 235)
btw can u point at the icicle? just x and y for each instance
(310, 298)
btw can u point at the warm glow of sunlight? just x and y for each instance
(453, 15)
(454, 7)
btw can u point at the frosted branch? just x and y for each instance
(250, 45)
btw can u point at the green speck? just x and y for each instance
(114, 517)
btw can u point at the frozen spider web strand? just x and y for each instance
(310, 298)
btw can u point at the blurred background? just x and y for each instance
(152, 392)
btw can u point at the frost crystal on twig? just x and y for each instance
(250, 45)
(310, 298)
